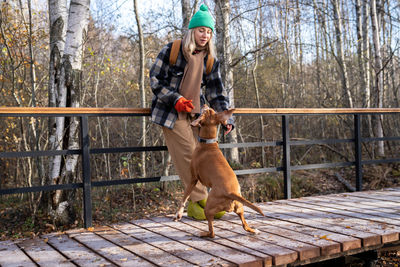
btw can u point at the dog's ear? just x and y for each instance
(204, 108)
(197, 122)
(223, 116)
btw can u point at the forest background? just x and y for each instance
(273, 53)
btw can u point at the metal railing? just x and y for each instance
(286, 113)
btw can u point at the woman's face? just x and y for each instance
(202, 35)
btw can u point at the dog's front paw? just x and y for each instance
(178, 215)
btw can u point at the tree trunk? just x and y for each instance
(285, 35)
(141, 85)
(258, 40)
(35, 124)
(360, 47)
(366, 54)
(317, 19)
(223, 9)
(58, 20)
(340, 52)
(299, 48)
(66, 89)
(378, 75)
(186, 15)
(362, 8)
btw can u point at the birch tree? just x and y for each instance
(317, 18)
(362, 25)
(64, 91)
(141, 84)
(58, 16)
(258, 40)
(187, 13)
(362, 19)
(378, 74)
(223, 9)
(340, 52)
(284, 28)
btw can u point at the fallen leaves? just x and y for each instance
(325, 237)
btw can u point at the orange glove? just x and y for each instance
(184, 105)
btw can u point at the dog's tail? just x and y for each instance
(246, 202)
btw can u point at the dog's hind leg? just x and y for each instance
(210, 210)
(238, 209)
(185, 198)
(210, 219)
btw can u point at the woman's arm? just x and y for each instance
(216, 94)
(160, 80)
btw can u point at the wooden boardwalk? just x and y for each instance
(293, 232)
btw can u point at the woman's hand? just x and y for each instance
(184, 105)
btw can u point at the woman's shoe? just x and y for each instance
(195, 211)
(218, 215)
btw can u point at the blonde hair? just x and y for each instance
(189, 43)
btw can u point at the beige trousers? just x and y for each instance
(181, 142)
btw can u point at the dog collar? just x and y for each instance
(207, 141)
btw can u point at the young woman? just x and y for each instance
(178, 98)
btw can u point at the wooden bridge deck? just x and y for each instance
(293, 232)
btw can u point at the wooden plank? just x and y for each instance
(305, 251)
(108, 250)
(146, 111)
(388, 233)
(279, 255)
(385, 191)
(327, 246)
(346, 242)
(70, 110)
(266, 260)
(338, 206)
(144, 250)
(12, 256)
(314, 110)
(386, 201)
(365, 211)
(392, 189)
(380, 195)
(386, 206)
(74, 250)
(296, 215)
(43, 254)
(203, 244)
(180, 250)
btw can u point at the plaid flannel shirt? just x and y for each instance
(165, 81)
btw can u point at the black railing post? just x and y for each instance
(87, 183)
(286, 157)
(358, 152)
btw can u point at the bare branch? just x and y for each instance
(237, 60)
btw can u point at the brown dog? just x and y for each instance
(212, 169)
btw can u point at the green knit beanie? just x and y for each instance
(202, 18)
